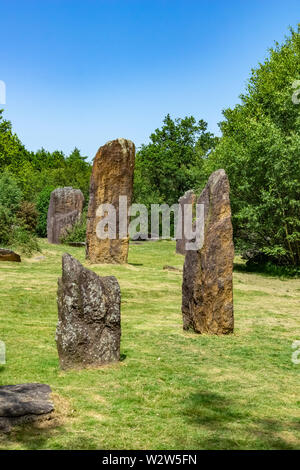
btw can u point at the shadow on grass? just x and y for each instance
(268, 269)
(30, 436)
(33, 437)
(228, 425)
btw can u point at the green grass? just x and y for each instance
(172, 390)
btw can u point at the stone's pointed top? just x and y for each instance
(216, 177)
(125, 144)
(121, 140)
(70, 267)
(188, 194)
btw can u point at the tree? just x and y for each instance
(260, 151)
(12, 152)
(172, 162)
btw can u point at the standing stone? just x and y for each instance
(89, 319)
(112, 176)
(189, 197)
(65, 209)
(207, 301)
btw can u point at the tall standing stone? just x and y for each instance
(189, 197)
(65, 209)
(207, 300)
(89, 320)
(112, 177)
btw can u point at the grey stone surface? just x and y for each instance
(65, 208)
(89, 327)
(189, 197)
(24, 403)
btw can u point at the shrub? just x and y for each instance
(6, 222)
(23, 240)
(260, 150)
(77, 233)
(28, 215)
(10, 193)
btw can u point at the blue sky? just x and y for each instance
(80, 73)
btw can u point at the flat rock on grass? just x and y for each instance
(24, 403)
(8, 255)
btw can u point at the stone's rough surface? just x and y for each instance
(65, 209)
(112, 176)
(188, 198)
(207, 302)
(24, 403)
(8, 255)
(89, 320)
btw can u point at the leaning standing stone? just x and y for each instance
(89, 319)
(65, 209)
(207, 300)
(112, 176)
(189, 197)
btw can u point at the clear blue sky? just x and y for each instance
(80, 73)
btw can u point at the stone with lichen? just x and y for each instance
(65, 209)
(112, 176)
(89, 319)
(207, 298)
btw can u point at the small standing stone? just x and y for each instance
(89, 319)
(65, 209)
(189, 197)
(207, 299)
(112, 176)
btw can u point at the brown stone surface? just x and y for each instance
(112, 176)
(89, 319)
(207, 301)
(65, 209)
(8, 255)
(189, 197)
(24, 403)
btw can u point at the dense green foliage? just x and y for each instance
(260, 151)
(17, 217)
(34, 171)
(26, 184)
(172, 162)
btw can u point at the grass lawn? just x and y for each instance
(172, 390)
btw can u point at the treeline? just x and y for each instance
(259, 149)
(26, 181)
